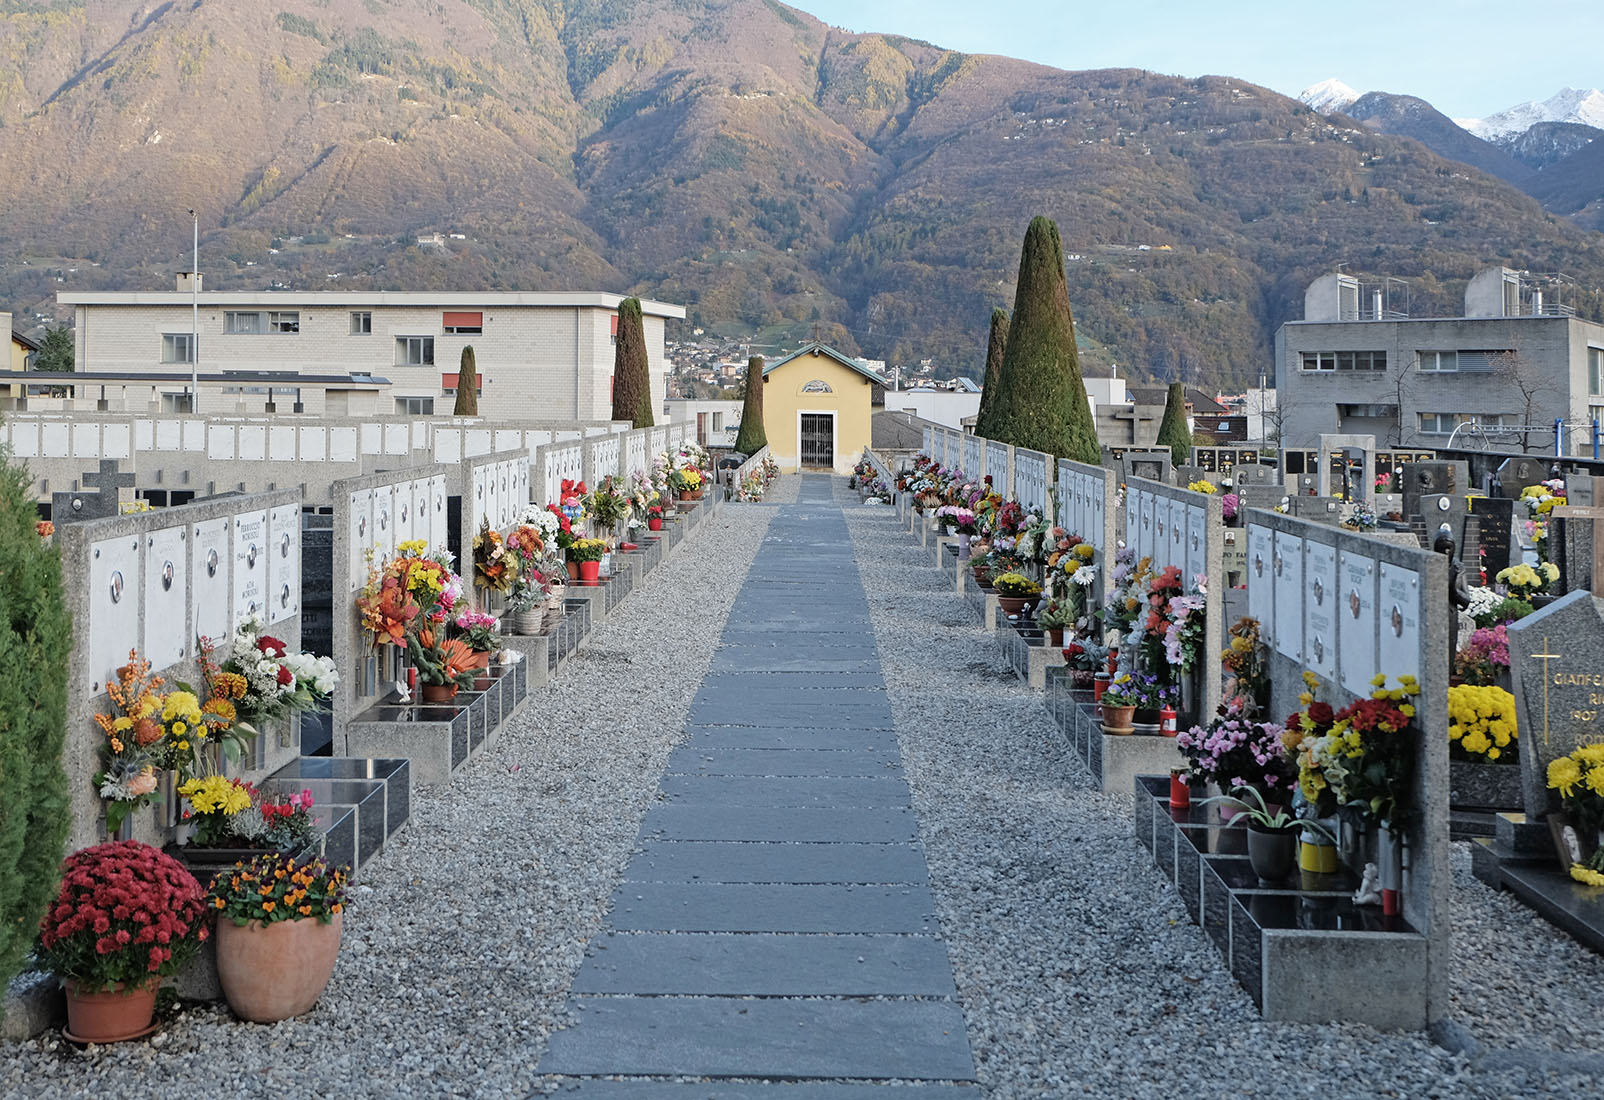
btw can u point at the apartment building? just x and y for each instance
(1517, 362)
(539, 355)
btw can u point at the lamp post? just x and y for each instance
(194, 318)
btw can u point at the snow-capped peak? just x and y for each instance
(1568, 105)
(1328, 95)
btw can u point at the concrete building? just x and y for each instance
(540, 355)
(1516, 362)
(948, 408)
(718, 421)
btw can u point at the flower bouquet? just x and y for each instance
(1365, 758)
(481, 631)
(231, 813)
(444, 664)
(1481, 725)
(1524, 581)
(493, 566)
(1578, 779)
(125, 917)
(1234, 752)
(608, 504)
(263, 680)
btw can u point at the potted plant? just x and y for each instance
(528, 547)
(608, 506)
(654, 517)
(1152, 695)
(1235, 751)
(1525, 582)
(445, 665)
(1053, 616)
(1272, 832)
(126, 917)
(234, 820)
(1577, 780)
(686, 481)
(1118, 704)
(481, 633)
(278, 934)
(588, 554)
(1014, 590)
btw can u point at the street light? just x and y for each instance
(194, 318)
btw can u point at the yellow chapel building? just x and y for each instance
(817, 409)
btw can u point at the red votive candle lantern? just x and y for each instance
(1180, 790)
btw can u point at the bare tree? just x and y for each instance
(1528, 387)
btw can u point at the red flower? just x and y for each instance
(285, 676)
(271, 646)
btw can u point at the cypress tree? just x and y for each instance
(996, 342)
(1172, 430)
(35, 640)
(752, 437)
(1041, 399)
(467, 385)
(632, 380)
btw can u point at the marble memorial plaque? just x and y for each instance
(359, 538)
(166, 617)
(439, 490)
(284, 563)
(1175, 550)
(113, 626)
(1197, 543)
(1288, 567)
(250, 565)
(402, 498)
(1260, 575)
(1233, 554)
(1398, 605)
(383, 523)
(1320, 601)
(1148, 533)
(1133, 523)
(1356, 621)
(208, 572)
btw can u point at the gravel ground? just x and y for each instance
(1079, 970)
(467, 931)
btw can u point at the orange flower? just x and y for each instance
(146, 732)
(305, 910)
(268, 906)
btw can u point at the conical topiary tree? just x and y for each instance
(1172, 430)
(753, 437)
(35, 640)
(995, 345)
(467, 385)
(632, 380)
(1041, 398)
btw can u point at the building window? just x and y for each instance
(361, 322)
(718, 422)
(414, 351)
(1438, 422)
(251, 323)
(414, 406)
(1595, 372)
(178, 347)
(469, 323)
(1344, 360)
(1437, 361)
(176, 403)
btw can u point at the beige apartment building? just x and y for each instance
(539, 355)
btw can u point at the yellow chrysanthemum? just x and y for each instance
(1563, 775)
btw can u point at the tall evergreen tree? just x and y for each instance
(55, 350)
(1041, 400)
(753, 437)
(632, 380)
(35, 640)
(467, 385)
(1172, 430)
(996, 343)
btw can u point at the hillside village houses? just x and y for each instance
(539, 354)
(1519, 357)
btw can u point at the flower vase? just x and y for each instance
(112, 1015)
(526, 621)
(1389, 865)
(1180, 790)
(573, 570)
(1055, 637)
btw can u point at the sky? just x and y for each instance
(1468, 58)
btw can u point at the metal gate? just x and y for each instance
(818, 439)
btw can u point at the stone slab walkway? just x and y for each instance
(777, 924)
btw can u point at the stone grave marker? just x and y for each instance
(1495, 532)
(98, 500)
(1516, 474)
(1423, 479)
(1251, 473)
(1151, 465)
(1557, 664)
(1268, 496)
(1574, 532)
(1320, 509)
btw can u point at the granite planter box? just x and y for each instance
(1484, 786)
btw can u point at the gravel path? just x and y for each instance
(468, 929)
(1079, 970)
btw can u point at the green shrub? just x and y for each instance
(996, 344)
(752, 437)
(1172, 430)
(35, 639)
(632, 380)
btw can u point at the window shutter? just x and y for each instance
(463, 320)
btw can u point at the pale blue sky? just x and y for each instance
(1468, 58)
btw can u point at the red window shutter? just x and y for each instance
(615, 324)
(464, 320)
(448, 381)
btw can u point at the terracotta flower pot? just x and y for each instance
(1055, 637)
(275, 971)
(1117, 719)
(1012, 606)
(589, 570)
(573, 570)
(113, 1015)
(437, 693)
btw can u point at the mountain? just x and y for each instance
(782, 178)
(1328, 95)
(1566, 105)
(1409, 116)
(1548, 143)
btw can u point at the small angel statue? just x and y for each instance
(1369, 892)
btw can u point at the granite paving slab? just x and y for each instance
(735, 907)
(809, 678)
(790, 737)
(776, 861)
(756, 823)
(592, 1089)
(844, 715)
(738, 1038)
(697, 759)
(754, 692)
(771, 658)
(763, 790)
(766, 965)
